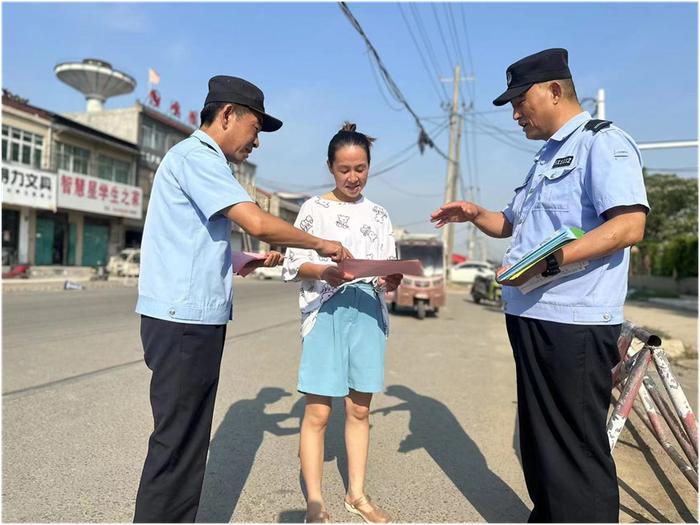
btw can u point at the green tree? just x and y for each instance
(671, 236)
(674, 207)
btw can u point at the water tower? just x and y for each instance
(96, 80)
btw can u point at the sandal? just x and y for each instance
(376, 515)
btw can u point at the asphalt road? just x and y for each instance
(76, 418)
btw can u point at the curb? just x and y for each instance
(687, 306)
(57, 285)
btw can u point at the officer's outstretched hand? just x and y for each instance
(458, 211)
(335, 250)
(273, 258)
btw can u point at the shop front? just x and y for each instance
(95, 207)
(10, 237)
(29, 195)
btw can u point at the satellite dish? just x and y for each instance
(96, 79)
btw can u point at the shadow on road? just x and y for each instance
(434, 428)
(232, 452)
(683, 511)
(291, 516)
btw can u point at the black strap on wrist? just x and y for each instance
(552, 266)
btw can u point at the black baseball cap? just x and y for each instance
(223, 88)
(550, 64)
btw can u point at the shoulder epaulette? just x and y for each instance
(207, 145)
(596, 125)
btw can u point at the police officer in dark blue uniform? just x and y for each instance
(588, 174)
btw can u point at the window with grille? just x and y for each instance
(153, 137)
(22, 146)
(72, 158)
(114, 169)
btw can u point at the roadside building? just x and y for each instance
(155, 132)
(69, 190)
(286, 206)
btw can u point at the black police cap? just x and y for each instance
(223, 88)
(550, 64)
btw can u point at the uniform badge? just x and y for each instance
(509, 77)
(563, 161)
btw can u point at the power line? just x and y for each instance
(433, 82)
(508, 131)
(437, 131)
(375, 75)
(413, 223)
(469, 49)
(424, 138)
(442, 37)
(503, 139)
(455, 39)
(409, 193)
(428, 46)
(471, 112)
(371, 175)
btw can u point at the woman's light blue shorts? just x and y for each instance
(345, 348)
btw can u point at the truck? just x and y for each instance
(421, 293)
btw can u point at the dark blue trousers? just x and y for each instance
(564, 391)
(185, 361)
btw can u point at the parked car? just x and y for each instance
(272, 272)
(466, 272)
(126, 263)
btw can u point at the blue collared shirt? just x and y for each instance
(186, 271)
(575, 178)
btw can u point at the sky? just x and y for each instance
(316, 73)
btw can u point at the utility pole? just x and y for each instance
(600, 113)
(600, 105)
(452, 165)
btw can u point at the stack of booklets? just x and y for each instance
(548, 246)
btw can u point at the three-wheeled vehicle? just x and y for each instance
(421, 293)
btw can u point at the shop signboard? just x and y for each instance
(25, 186)
(105, 197)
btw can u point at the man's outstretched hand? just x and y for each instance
(458, 211)
(335, 250)
(273, 258)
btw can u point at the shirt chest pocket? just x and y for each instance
(520, 194)
(559, 187)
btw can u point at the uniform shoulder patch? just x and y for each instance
(596, 125)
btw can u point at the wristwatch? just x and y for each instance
(552, 266)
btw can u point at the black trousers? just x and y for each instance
(185, 361)
(564, 391)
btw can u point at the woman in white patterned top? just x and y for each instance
(344, 321)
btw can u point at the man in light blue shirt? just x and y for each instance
(587, 175)
(185, 288)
